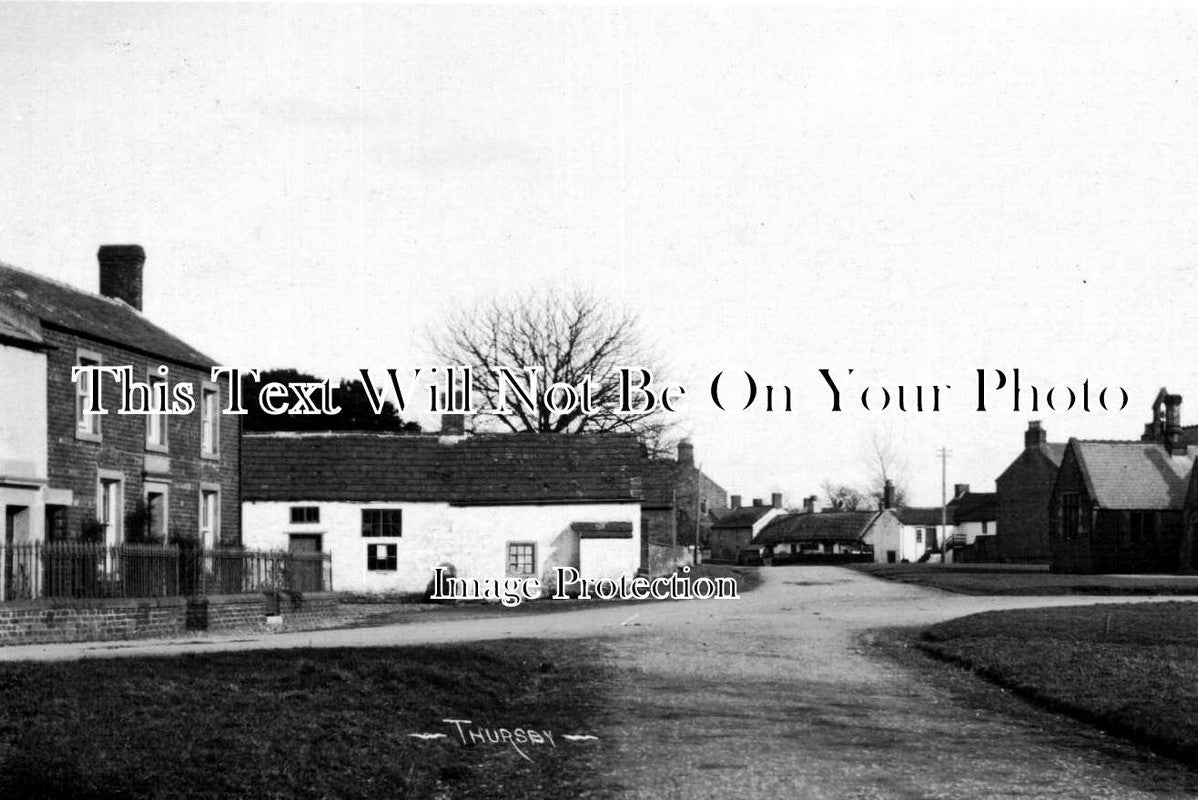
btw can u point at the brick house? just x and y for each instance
(113, 478)
(736, 528)
(1024, 490)
(679, 498)
(390, 508)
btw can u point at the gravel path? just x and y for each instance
(775, 695)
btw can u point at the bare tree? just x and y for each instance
(843, 497)
(571, 336)
(884, 462)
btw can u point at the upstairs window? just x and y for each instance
(87, 425)
(382, 522)
(156, 419)
(210, 421)
(304, 515)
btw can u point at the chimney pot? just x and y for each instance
(776, 499)
(121, 271)
(1173, 422)
(736, 501)
(888, 494)
(757, 501)
(1035, 435)
(686, 453)
(809, 505)
(453, 424)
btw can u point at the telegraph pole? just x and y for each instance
(944, 454)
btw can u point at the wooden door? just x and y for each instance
(307, 568)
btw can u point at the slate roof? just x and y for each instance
(104, 319)
(658, 481)
(743, 517)
(1133, 475)
(922, 515)
(837, 526)
(974, 507)
(20, 329)
(485, 469)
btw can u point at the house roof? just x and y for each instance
(104, 319)
(659, 479)
(20, 329)
(743, 517)
(1133, 475)
(974, 507)
(922, 515)
(1053, 451)
(838, 526)
(484, 469)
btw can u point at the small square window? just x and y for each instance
(382, 557)
(386, 522)
(521, 559)
(303, 515)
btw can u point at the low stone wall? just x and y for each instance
(53, 621)
(47, 621)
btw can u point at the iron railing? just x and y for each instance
(79, 570)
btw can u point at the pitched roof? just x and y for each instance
(19, 328)
(659, 479)
(1133, 475)
(485, 469)
(974, 507)
(104, 319)
(743, 517)
(922, 515)
(838, 526)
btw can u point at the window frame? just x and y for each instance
(386, 529)
(92, 431)
(104, 479)
(164, 489)
(294, 521)
(209, 422)
(512, 571)
(1071, 515)
(388, 563)
(160, 416)
(209, 535)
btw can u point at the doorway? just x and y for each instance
(307, 570)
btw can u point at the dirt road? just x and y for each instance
(775, 695)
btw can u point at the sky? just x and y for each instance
(911, 195)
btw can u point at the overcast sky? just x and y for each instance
(912, 195)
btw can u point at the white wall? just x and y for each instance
(473, 539)
(23, 440)
(888, 534)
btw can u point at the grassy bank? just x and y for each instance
(302, 724)
(1021, 580)
(1132, 669)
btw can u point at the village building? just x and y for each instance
(736, 527)
(1023, 492)
(922, 533)
(974, 520)
(66, 474)
(680, 503)
(831, 537)
(391, 508)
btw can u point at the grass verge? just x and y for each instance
(1132, 669)
(303, 724)
(1018, 580)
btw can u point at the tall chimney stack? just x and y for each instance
(809, 504)
(686, 453)
(888, 494)
(776, 500)
(1172, 422)
(1035, 435)
(735, 501)
(120, 272)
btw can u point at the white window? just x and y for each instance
(521, 558)
(210, 421)
(209, 518)
(108, 508)
(156, 421)
(87, 425)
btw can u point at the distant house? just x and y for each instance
(922, 533)
(66, 473)
(679, 499)
(393, 507)
(1118, 507)
(833, 536)
(736, 528)
(1024, 490)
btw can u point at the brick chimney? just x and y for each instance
(809, 504)
(960, 489)
(888, 494)
(686, 453)
(757, 501)
(120, 272)
(735, 499)
(1172, 435)
(776, 500)
(453, 424)
(1034, 436)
